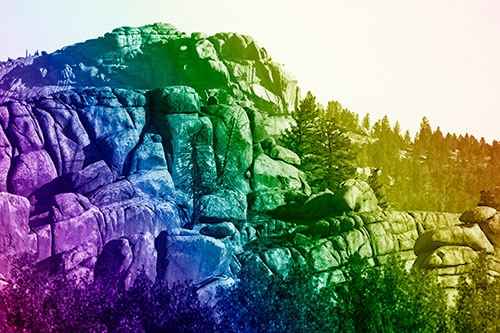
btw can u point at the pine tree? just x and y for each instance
(326, 152)
(365, 123)
(299, 137)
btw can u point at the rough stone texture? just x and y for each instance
(355, 195)
(478, 214)
(120, 141)
(223, 205)
(15, 237)
(269, 174)
(456, 235)
(285, 155)
(192, 257)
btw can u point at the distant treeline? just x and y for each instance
(433, 171)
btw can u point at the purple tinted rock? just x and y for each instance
(5, 160)
(77, 262)
(44, 241)
(116, 192)
(68, 205)
(29, 172)
(140, 215)
(145, 258)
(15, 237)
(103, 121)
(114, 260)
(91, 178)
(155, 183)
(65, 147)
(76, 231)
(4, 116)
(191, 257)
(116, 148)
(25, 134)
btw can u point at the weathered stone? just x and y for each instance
(14, 230)
(175, 99)
(135, 216)
(383, 242)
(192, 257)
(355, 195)
(321, 257)
(320, 228)
(285, 155)
(271, 174)
(319, 205)
(358, 242)
(223, 205)
(114, 260)
(91, 178)
(148, 155)
(279, 260)
(232, 144)
(68, 205)
(448, 255)
(266, 201)
(77, 230)
(491, 228)
(144, 258)
(455, 235)
(115, 192)
(478, 214)
(219, 230)
(156, 183)
(30, 171)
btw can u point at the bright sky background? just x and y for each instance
(401, 58)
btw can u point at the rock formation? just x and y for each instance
(150, 149)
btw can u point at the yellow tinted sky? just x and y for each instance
(404, 59)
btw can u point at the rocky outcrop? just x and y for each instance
(148, 149)
(108, 148)
(452, 250)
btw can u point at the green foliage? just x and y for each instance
(319, 137)
(390, 299)
(39, 302)
(371, 300)
(263, 303)
(487, 198)
(378, 188)
(299, 137)
(433, 172)
(477, 307)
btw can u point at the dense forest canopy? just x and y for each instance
(432, 172)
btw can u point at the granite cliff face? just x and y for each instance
(148, 148)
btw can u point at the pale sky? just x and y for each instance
(405, 59)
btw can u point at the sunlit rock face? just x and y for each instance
(111, 150)
(148, 148)
(452, 250)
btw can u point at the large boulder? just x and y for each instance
(223, 205)
(355, 195)
(270, 174)
(456, 235)
(188, 256)
(175, 99)
(232, 144)
(478, 214)
(15, 236)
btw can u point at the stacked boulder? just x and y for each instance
(451, 251)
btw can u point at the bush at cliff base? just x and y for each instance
(36, 302)
(371, 300)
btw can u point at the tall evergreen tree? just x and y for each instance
(299, 137)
